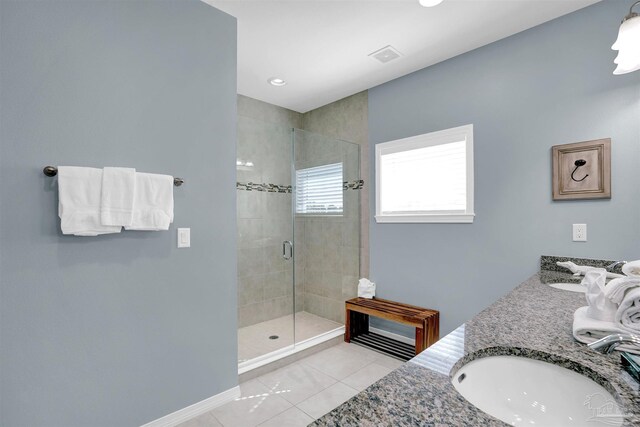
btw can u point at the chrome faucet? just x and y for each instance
(614, 265)
(607, 344)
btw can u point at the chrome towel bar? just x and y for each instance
(53, 171)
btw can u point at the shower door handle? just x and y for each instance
(286, 244)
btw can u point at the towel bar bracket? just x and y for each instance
(50, 171)
(53, 171)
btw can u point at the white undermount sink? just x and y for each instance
(529, 392)
(573, 287)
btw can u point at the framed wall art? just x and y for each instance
(582, 170)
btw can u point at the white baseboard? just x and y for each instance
(391, 335)
(185, 414)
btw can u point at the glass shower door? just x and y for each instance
(298, 204)
(326, 210)
(265, 238)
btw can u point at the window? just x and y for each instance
(319, 190)
(426, 178)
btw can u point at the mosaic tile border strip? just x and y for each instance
(269, 188)
(275, 188)
(353, 185)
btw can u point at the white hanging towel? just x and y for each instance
(79, 197)
(118, 188)
(153, 202)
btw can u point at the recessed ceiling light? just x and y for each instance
(275, 81)
(429, 3)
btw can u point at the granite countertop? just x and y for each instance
(533, 320)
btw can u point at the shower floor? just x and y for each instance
(254, 341)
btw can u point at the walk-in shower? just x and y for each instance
(298, 237)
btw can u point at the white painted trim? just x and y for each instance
(289, 350)
(391, 335)
(445, 218)
(185, 414)
(425, 140)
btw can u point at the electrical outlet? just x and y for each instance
(579, 232)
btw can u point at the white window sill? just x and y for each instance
(433, 218)
(304, 215)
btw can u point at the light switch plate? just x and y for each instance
(184, 237)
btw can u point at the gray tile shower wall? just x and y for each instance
(265, 279)
(328, 245)
(347, 119)
(336, 249)
(331, 252)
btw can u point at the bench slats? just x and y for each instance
(426, 321)
(390, 310)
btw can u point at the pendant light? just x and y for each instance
(429, 3)
(628, 43)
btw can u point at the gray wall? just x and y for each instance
(122, 329)
(552, 84)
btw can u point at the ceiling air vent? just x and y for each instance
(386, 54)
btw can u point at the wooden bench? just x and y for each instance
(358, 310)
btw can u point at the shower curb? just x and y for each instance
(289, 359)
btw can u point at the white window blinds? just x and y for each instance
(319, 190)
(425, 179)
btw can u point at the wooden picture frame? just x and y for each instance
(582, 170)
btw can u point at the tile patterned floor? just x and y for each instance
(303, 391)
(253, 341)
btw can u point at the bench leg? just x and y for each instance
(432, 328)
(419, 340)
(355, 324)
(347, 326)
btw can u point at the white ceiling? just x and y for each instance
(321, 48)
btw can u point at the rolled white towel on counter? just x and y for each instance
(588, 330)
(366, 288)
(600, 307)
(616, 289)
(582, 270)
(628, 314)
(632, 268)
